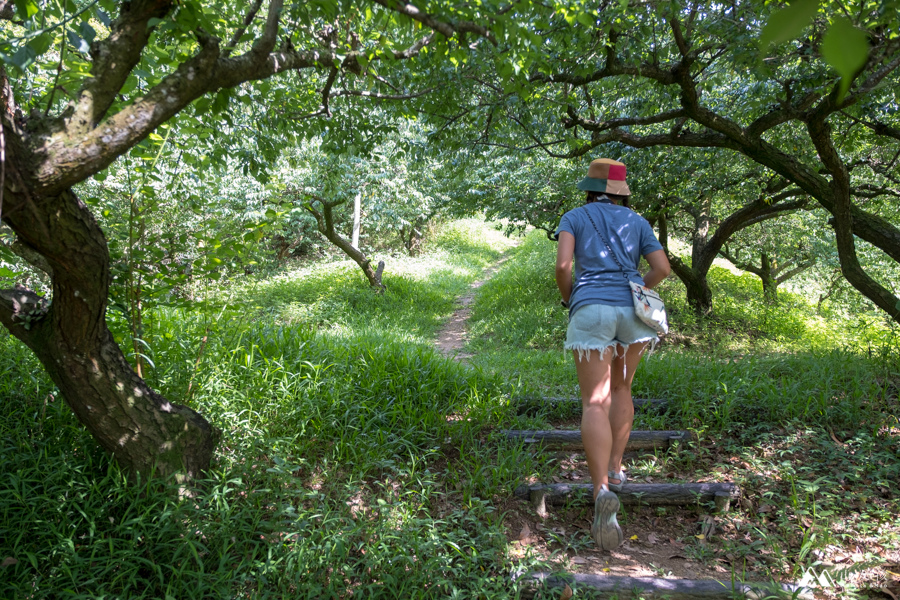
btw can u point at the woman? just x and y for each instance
(606, 338)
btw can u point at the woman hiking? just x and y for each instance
(606, 239)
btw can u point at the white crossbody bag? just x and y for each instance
(648, 306)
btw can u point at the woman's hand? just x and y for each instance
(659, 267)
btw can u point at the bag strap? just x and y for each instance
(608, 246)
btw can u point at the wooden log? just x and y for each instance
(653, 494)
(671, 589)
(565, 439)
(534, 403)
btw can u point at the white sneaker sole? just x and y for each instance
(605, 530)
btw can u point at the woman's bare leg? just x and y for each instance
(621, 411)
(594, 380)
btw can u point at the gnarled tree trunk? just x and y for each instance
(325, 225)
(144, 431)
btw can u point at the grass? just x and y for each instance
(358, 462)
(325, 483)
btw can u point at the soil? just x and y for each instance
(665, 542)
(454, 335)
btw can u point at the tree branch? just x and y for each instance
(574, 120)
(21, 309)
(377, 96)
(798, 269)
(448, 29)
(112, 61)
(239, 32)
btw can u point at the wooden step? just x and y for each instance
(671, 589)
(534, 403)
(653, 494)
(565, 439)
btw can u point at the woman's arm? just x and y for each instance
(659, 268)
(565, 250)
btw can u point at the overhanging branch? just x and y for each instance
(446, 28)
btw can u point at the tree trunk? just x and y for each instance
(357, 210)
(145, 432)
(699, 296)
(325, 224)
(769, 283)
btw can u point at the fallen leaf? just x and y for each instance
(566, 593)
(700, 537)
(579, 560)
(9, 561)
(634, 537)
(605, 569)
(764, 508)
(652, 539)
(525, 533)
(836, 441)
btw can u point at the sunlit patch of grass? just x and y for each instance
(331, 478)
(341, 473)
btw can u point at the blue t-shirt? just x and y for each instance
(598, 279)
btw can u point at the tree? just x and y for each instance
(695, 76)
(134, 73)
(707, 201)
(778, 250)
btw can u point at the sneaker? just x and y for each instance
(605, 530)
(621, 476)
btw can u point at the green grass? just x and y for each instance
(326, 481)
(357, 461)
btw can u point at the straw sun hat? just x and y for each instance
(606, 176)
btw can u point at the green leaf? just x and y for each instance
(788, 23)
(845, 48)
(23, 57)
(87, 32)
(26, 9)
(41, 43)
(78, 43)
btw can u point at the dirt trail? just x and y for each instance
(454, 335)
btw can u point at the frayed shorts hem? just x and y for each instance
(583, 351)
(601, 327)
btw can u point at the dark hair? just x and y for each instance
(595, 196)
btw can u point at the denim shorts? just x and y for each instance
(600, 326)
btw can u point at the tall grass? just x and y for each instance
(326, 483)
(357, 461)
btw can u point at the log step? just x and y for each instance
(671, 589)
(654, 494)
(530, 404)
(562, 439)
